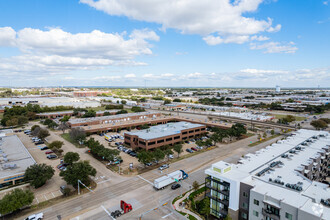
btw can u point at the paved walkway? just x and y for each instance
(179, 208)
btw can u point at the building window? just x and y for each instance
(152, 143)
(191, 131)
(245, 205)
(244, 215)
(288, 216)
(256, 202)
(185, 132)
(177, 137)
(169, 139)
(160, 141)
(245, 194)
(255, 213)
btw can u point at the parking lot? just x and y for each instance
(117, 143)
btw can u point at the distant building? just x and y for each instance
(86, 93)
(282, 181)
(278, 89)
(166, 134)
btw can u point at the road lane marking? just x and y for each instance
(106, 211)
(165, 216)
(145, 180)
(103, 181)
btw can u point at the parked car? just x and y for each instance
(38, 216)
(148, 164)
(189, 150)
(194, 149)
(163, 167)
(170, 156)
(51, 156)
(40, 142)
(62, 165)
(175, 186)
(49, 152)
(44, 148)
(199, 147)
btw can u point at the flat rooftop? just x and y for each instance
(164, 130)
(310, 144)
(14, 157)
(55, 113)
(108, 119)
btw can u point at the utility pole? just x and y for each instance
(84, 186)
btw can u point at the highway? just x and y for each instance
(139, 192)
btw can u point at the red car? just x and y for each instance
(194, 149)
(49, 152)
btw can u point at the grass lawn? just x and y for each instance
(1, 115)
(263, 140)
(67, 137)
(298, 118)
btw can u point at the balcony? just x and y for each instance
(219, 213)
(224, 192)
(209, 178)
(225, 202)
(270, 214)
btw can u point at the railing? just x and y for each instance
(225, 192)
(225, 202)
(270, 214)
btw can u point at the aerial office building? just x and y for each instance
(283, 181)
(166, 134)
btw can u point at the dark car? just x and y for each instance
(148, 164)
(51, 156)
(194, 149)
(39, 142)
(175, 186)
(189, 151)
(44, 148)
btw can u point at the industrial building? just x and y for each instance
(282, 181)
(70, 113)
(166, 134)
(15, 159)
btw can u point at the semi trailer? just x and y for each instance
(170, 178)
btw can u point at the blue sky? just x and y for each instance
(220, 43)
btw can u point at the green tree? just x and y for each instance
(43, 133)
(71, 157)
(63, 126)
(272, 132)
(38, 174)
(15, 200)
(158, 154)
(47, 121)
(167, 101)
(34, 127)
(56, 145)
(78, 134)
(195, 185)
(89, 114)
(145, 157)
(12, 122)
(78, 171)
(52, 125)
(22, 120)
(178, 148)
(123, 102)
(65, 118)
(319, 124)
(203, 207)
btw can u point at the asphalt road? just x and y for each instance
(139, 192)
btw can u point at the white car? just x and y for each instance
(38, 216)
(163, 167)
(170, 156)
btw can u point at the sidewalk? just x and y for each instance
(182, 209)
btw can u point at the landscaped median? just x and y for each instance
(191, 204)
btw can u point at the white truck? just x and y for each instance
(38, 216)
(170, 178)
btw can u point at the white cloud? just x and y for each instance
(132, 75)
(7, 36)
(256, 71)
(217, 21)
(326, 2)
(259, 38)
(275, 47)
(57, 51)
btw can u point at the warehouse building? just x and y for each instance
(110, 119)
(282, 181)
(15, 159)
(166, 134)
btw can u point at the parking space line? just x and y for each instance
(106, 211)
(53, 195)
(165, 216)
(145, 180)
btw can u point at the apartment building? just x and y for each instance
(282, 181)
(165, 134)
